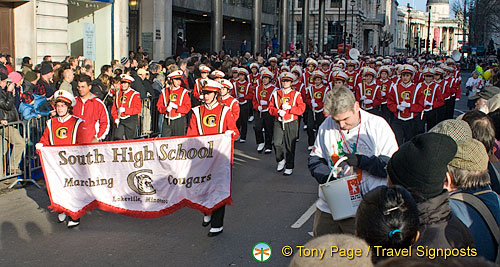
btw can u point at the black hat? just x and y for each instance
(3, 76)
(46, 68)
(420, 165)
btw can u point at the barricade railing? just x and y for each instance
(148, 118)
(12, 150)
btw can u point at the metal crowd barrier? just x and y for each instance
(148, 118)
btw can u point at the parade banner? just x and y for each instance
(145, 178)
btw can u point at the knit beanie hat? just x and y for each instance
(471, 156)
(30, 76)
(124, 60)
(458, 130)
(420, 165)
(46, 68)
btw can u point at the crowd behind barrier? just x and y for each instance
(31, 131)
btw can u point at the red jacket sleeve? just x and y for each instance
(80, 134)
(230, 124)
(160, 105)
(391, 100)
(299, 107)
(308, 96)
(114, 112)
(255, 104)
(45, 137)
(357, 91)
(185, 105)
(235, 110)
(418, 104)
(377, 99)
(103, 120)
(196, 90)
(273, 110)
(135, 107)
(249, 94)
(193, 127)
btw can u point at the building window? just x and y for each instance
(335, 34)
(299, 31)
(335, 3)
(299, 3)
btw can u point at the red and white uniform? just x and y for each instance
(95, 118)
(299, 87)
(293, 98)
(369, 92)
(243, 91)
(308, 78)
(404, 93)
(130, 100)
(352, 79)
(448, 88)
(254, 79)
(276, 72)
(385, 87)
(262, 94)
(63, 131)
(431, 94)
(197, 88)
(317, 94)
(212, 120)
(231, 103)
(178, 96)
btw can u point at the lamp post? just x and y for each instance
(409, 28)
(345, 28)
(353, 3)
(428, 32)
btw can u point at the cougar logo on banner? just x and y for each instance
(141, 183)
(173, 97)
(62, 132)
(405, 95)
(210, 120)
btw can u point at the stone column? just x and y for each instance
(256, 25)
(321, 35)
(305, 26)
(217, 21)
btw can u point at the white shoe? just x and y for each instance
(288, 172)
(267, 151)
(72, 223)
(281, 165)
(260, 147)
(61, 217)
(305, 127)
(243, 141)
(310, 148)
(250, 119)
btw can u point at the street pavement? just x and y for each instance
(265, 206)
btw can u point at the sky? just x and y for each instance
(418, 4)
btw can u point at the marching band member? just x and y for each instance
(449, 92)
(352, 74)
(264, 121)
(125, 111)
(433, 97)
(474, 85)
(212, 118)
(64, 129)
(325, 69)
(234, 75)
(92, 111)
(243, 91)
(217, 75)
(339, 79)
(174, 103)
(439, 74)
(385, 85)
(368, 93)
(273, 67)
(227, 100)
(311, 66)
(285, 105)
(402, 102)
(315, 98)
(204, 71)
(254, 76)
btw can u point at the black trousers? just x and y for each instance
(386, 113)
(441, 113)
(242, 122)
(431, 118)
(217, 220)
(450, 107)
(127, 128)
(263, 120)
(285, 140)
(404, 130)
(313, 122)
(305, 116)
(176, 127)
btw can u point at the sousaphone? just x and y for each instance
(354, 54)
(456, 55)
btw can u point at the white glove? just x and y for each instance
(314, 105)
(383, 93)
(282, 113)
(38, 146)
(201, 97)
(427, 103)
(117, 121)
(368, 101)
(169, 108)
(259, 108)
(122, 109)
(457, 99)
(405, 104)
(286, 106)
(401, 108)
(362, 98)
(241, 95)
(229, 133)
(263, 103)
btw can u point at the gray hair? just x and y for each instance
(465, 179)
(339, 100)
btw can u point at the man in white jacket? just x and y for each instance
(365, 139)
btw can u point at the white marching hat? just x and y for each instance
(65, 96)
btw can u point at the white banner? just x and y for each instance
(142, 178)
